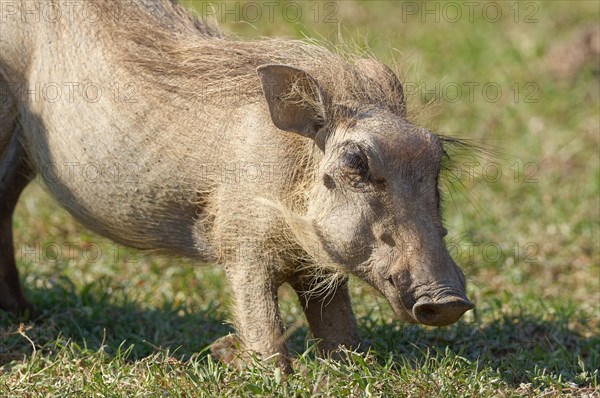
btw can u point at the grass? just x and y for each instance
(116, 322)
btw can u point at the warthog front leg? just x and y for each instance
(15, 174)
(257, 320)
(329, 316)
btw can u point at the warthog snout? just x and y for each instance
(430, 304)
(441, 313)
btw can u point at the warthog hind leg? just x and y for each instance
(15, 174)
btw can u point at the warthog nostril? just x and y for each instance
(441, 313)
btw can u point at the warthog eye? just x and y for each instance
(355, 166)
(355, 160)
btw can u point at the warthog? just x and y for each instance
(278, 159)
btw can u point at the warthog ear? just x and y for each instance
(297, 103)
(387, 80)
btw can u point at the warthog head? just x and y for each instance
(374, 204)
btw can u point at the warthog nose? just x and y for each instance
(441, 313)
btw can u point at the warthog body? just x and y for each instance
(278, 159)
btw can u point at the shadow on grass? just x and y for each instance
(518, 347)
(97, 317)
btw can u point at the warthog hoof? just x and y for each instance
(229, 350)
(226, 349)
(16, 305)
